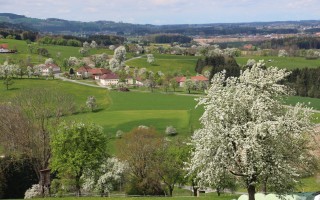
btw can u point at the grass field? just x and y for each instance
(126, 110)
(281, 62)
(167, 63)
(119, 110)
(24, 53)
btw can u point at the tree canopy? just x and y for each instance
(77, 147)
(247, 132)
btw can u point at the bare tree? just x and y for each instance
(27, 122)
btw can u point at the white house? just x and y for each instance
(45, 69)
(109, 79)
(2, 50)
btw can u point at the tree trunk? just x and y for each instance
(264, 186)
(78, 186)
(251, 191)
(170, 191)
(218, 191)
(195, 192)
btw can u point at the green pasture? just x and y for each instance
(281, 62)
(79, 92)
(167, 63)
(23, 52)
(310, 102)
(121, 110)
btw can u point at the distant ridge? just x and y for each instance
(61, 26)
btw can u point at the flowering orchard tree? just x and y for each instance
(93, 44)
(91, 103)
(107, 177)
(120, 55)
(150, 58)
(282, 53)
(49, 61)
(247, 132)
(114, 65)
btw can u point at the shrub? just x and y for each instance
(119, 134)
(34, 191)
(170, 130)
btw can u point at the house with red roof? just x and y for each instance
(84, 72)
(181, 79)
(46, 68)
(96, 73)
(4, 48)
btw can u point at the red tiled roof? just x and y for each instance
(99, 71)
(52, 65)
(4, 46)
(180, 79)
(194, 78)
(199, 78)
(84, 69)
(109, 76)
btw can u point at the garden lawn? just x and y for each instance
(281, 62)
(167, 63)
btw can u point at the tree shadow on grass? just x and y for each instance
(14, 88)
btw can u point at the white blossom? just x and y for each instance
(247, 132)
(33, 192)
(282, 53)
(93, 44)
(150, 58)
(49, 61)
(106, 177)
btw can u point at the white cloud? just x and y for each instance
(166, 11)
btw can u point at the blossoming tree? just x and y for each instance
(247, 132)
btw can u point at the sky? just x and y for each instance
(166, 11)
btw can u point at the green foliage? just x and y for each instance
(77, 147)
(217, 64)
(138, 148)
(306, 82)
(7, 82)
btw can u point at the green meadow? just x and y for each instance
(281, 62)
(23, 51)
(121, 110)
(167, 63)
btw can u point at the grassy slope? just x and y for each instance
(23, 51)
(167, 63)
(282, 62)
(118, 110)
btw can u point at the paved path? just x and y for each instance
(76, 81)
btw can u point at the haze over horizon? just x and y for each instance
(167, 11)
